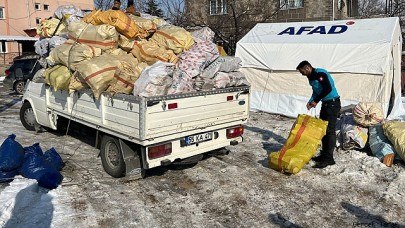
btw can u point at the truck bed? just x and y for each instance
(144, 120)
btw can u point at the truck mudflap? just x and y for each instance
(133, 166)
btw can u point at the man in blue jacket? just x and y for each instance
(323, 89)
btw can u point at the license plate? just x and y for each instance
(193, 139)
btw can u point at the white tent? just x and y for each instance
(363, 57)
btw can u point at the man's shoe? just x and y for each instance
(320, 158)
(389, 159)
(323, 164)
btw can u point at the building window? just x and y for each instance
(38, 20)
(349, 8)
(46, 7)
(291, 4)
(37, 6)
(3, 47)
(2, 14)
(218, 7)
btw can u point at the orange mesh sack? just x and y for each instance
(368, 114)
(304, 139)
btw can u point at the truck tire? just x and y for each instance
(111, 157)
(27, 117)
(19, 87)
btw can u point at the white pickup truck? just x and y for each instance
(138, 133)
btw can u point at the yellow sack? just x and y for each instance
(304, 139)
(395, 132)
(99, 71)
(125, 77)
(147, 25)
(101, 36)
(58, 77)
(368, 114)
(121, 21)
(69, 56)
(125, 43)
(47, 27)
(150, 52)
(76, 83)
(173, 38)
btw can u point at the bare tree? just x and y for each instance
(384, 8)
(174, 11)
(103, 4)
(234, 19)
(368, 8)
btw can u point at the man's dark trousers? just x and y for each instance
(329, 112)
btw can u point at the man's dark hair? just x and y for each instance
(302, 64)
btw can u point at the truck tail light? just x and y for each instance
(159, 150)
(7, 72)
(172, 106)
(229, 98)
(234, 132)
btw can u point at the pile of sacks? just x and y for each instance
(30, 162)
(122, 53)
(366, 123)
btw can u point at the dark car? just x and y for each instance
(20, 71)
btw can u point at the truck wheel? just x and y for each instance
(19, 87)
(27, 117)
(111, 157)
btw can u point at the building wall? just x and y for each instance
(21, 15)
(403, 71)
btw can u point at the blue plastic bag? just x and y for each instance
(53, 158)
(7, 176)
(11, 154)
(35, 166)
(34, 149)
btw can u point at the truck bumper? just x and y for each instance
(179, 151)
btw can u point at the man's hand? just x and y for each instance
(311, 105)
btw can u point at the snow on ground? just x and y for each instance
(236, 190)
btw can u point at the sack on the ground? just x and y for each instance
(7, 176)
(11, 154)
(126, 44)
(379, 143)
(352, 135)
(368, 114)
(203, 34)
(395, 132)
(304, 139)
